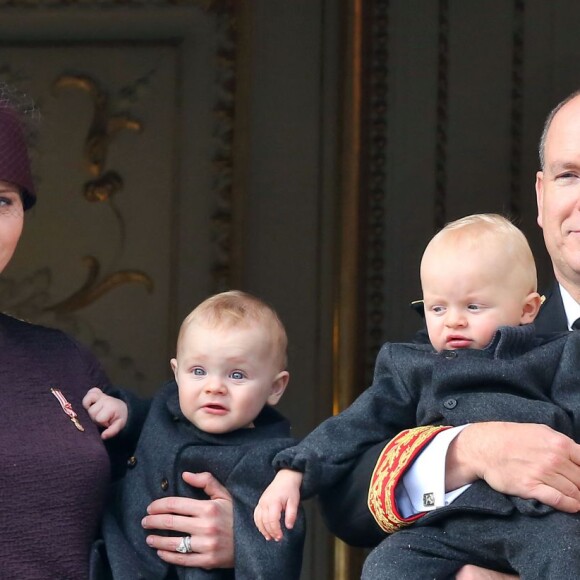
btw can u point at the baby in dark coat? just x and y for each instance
(485, 363)
(217, 416)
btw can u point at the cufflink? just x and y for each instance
(428, 499)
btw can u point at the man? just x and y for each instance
(526, 460)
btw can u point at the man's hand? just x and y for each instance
(210, 523)
(530, 461)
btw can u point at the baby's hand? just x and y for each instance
(282, 495)
(106, 411)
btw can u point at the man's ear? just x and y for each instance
(278, 387)
(531, 307)
(540, 196)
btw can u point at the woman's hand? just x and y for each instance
(530, 461)
(209, 523)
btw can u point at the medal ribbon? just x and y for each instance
(67, 408)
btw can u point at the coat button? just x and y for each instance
(450, 353)
(164, 484)
(450, 404)
(132, 461)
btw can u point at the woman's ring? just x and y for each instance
(184, 546)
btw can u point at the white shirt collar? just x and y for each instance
(571, 307)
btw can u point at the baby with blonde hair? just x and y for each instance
(217, 416)
(484, 363)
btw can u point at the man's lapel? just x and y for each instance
(552, 316)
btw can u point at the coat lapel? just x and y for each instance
(552, 316)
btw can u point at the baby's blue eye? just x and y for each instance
(237, 375)
(198, 371)
(473, 307)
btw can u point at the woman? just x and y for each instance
(54, 468)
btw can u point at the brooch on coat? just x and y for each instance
(67, 408)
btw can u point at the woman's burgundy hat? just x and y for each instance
(14, 159)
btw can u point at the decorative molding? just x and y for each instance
(30, 297)
(35, 302)
(440, 198)
(93, 288)
(517, 98)
(223, 161)
(109, 117)
(226, 22)
(106, 123)
(208, 5)
(377, 174)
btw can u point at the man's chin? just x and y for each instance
(568, 271)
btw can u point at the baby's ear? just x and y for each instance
(531, 307)
(173, 363)
(278, 387)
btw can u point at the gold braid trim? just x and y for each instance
(394, 460)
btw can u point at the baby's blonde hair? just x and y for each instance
(480, 230)
(236, 308)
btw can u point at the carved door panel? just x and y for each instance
(133, 166)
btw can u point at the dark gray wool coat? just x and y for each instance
(344, 506)
(518, 377)
(241, 461)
